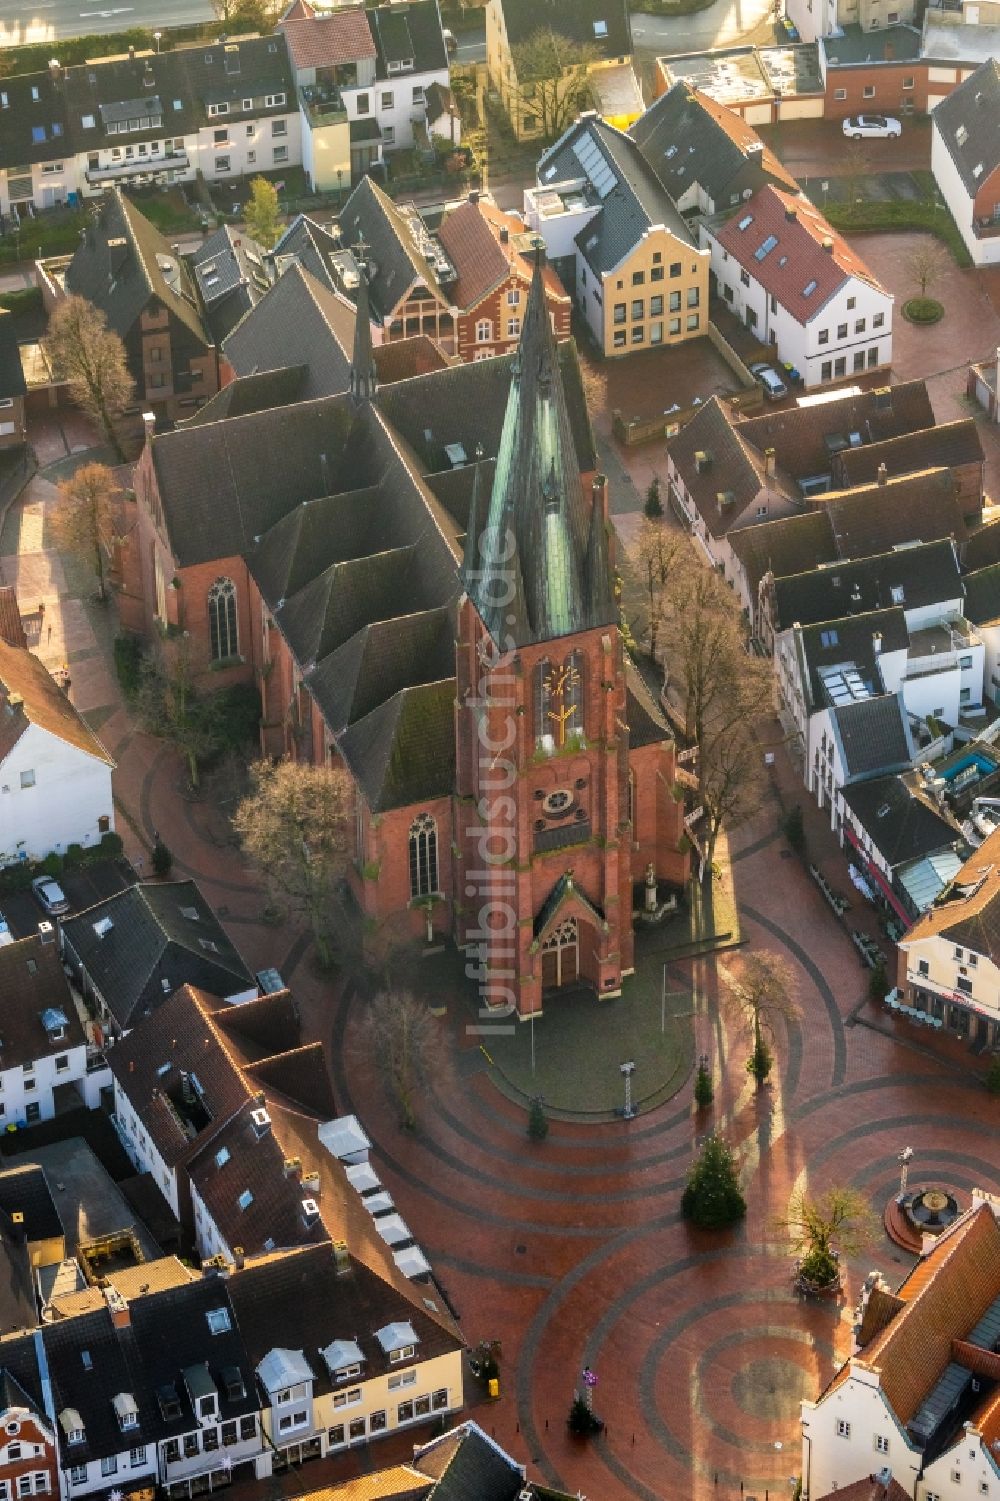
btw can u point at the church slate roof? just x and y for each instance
(403, 752)
(381, 659)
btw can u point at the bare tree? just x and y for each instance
(86, 520)
(837, 1221)
(91, 359)
(730, 778)
(762, 994)
(926, 265)
(169, 706)
(551, 74)
(294, 825)
(858, 162)
(655, 552)
(399, 1032)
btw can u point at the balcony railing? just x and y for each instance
(323, 104)
(174, 161)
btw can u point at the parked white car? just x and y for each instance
(872, 127)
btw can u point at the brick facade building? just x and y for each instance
(507, 760)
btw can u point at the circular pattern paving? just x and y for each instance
(770, 1388)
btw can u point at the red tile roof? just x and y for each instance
(11, 628)
(808, 251)
(42, 703)
(945, 1296)
(328, 40)
(470, 235)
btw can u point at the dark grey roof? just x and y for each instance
(410, 33)
(982, 595)
(857, 46)
(620, 183)
(874, 736)
(403, 752)
(162, 935)
(25, 1190)
(646, 724)
(20, 1380)
(909, 576)
(307, 242)
(968, 126)
(91, 1362)
(223, 484)
(349, 595)
(949, 444)
(298, 321)
(32, 982)
(469, 1466)
(185, 80)
(524, 17)
(123, 262)
(317, 534)
(688, 139)
(852, 641)
(18, 1307)
(33, 120)
(252, 393)
(465, 404)
(381, 659)
(12, 382)
(231, 273)
(393, 259)
(901, 824)
(722, 473)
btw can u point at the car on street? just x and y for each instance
(766, 376)
(872, 127)
(51, 895)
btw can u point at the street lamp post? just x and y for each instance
(589, 1379)
(627, 1070)
(156, 38)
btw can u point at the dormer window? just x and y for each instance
(126, 1411)
(398, 1341)
(405, 1352)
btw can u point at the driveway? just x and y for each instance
(817, 148)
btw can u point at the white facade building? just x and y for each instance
(798, 286)
(44, 1045)
(55, 775)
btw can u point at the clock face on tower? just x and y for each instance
(561, 683)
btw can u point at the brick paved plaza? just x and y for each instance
(573, 1252)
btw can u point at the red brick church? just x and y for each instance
(417, 570)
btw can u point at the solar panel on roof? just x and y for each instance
(602, 178)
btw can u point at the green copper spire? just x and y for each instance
(536, 522)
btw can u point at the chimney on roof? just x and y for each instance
(293, 1167)
(791, 212)
(131, 53)
(769, 463)
(46, 933)
(883, 474)
(55, 69)
(341, 1257)
(504, 235)
(474, 196)
(828, 244)
(117, 1307)
(239, 1258)
(877, 642)
(148, 424)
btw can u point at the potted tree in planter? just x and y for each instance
(821, 1229)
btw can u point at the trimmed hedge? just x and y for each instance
(923, 310)
(871, 217)
(128, 663)
(27, 301)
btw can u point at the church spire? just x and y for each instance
(537, 514)
(597, 573)
(364, 378)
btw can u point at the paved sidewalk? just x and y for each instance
(573, 1250)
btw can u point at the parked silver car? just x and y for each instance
(768, 377)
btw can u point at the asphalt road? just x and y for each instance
(48, 20)
(722, 24)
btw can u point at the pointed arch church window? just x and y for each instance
(423, 856)
(222, 620)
